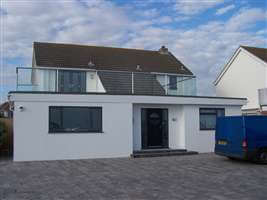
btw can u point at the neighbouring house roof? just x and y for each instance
(4, 106)
(106, 58)
(259, 52)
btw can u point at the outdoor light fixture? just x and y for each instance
(21, 108)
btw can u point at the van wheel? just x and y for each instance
(231, 158)
(262, 157)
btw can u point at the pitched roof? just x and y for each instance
(121, 83)
(106, 58)
(259, 52)
(4, 106)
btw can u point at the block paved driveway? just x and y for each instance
(204, 176)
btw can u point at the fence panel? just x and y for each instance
(6, 146)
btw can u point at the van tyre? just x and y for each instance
(262, 157)
(231, 158)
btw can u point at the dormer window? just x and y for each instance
(91, 64)
(138, 68)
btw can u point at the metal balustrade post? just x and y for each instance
(166, 84)
(57, 83)
(17, 78)
(132, 83)
(97, 79)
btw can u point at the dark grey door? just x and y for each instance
(71, 81)
(154, 128)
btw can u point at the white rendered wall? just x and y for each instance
(33, 142)
(121, 125)
(176, 136)
(201, 140)
(243, 79)
(184, 131)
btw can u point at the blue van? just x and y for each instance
(243, 137)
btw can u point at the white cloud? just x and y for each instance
(182, 18)
(29, 21)
(164, 20)
(246, 18)
(262, 32)
(193, 7)
(225, 9)
(148, 13)
(205, 48)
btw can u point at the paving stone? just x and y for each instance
(203, 176)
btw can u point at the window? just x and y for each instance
(71, 81)
(75, 119)
(207, 117)
(173, 82)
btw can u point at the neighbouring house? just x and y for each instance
(5, 112)
(79, 102)
(245, 75)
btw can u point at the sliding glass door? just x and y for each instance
(71, 81)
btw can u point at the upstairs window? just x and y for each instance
(75, 119)
(173, 82)
(208, 116)
(71, 81)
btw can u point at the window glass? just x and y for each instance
(75, 119)
(173, 82)
(208, 116)
(220, 112)
(71, 81)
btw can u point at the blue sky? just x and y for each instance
(203, 34)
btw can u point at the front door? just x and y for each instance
(154, 128)
(71, 81)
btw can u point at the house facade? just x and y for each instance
(245, 75)
(79, 102)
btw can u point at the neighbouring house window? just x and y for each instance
(75, 119)
(208, 116)
(173, 82)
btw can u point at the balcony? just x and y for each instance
(71, 80)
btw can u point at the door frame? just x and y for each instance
(144, 131)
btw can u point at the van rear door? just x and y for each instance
(256, 131)
(229, 136)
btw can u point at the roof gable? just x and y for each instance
(4, 106)
(106, 58)
(258, 51)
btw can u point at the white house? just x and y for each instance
(245, 75)
(79, 102)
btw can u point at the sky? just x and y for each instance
(203, 34)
